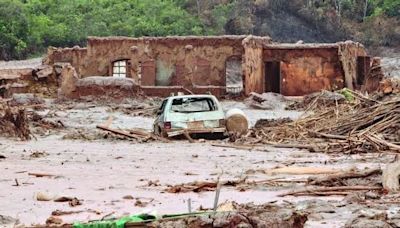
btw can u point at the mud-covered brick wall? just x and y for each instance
(307, 70)
(253, 66)
(348, 52)
(186, 61)
(102, 52)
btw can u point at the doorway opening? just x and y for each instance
(234, 76)
(273, 76)
(363, 68)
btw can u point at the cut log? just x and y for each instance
(236, 122)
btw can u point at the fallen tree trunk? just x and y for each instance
(330, 189)
(342, 176)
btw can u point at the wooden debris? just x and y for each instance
(302, 170)
(186, 134)
(54, 220)
(16, 182)
(328, 180)
(389, 86)
(366, 125)
(139, 134)
(330, 190)
(63, 199)
(61, 213)
(41, 175)
(120, 132)
(201, 186)
(241, 147)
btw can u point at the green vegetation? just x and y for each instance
(31, 26)
(28, 27)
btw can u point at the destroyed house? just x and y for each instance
(218, 64)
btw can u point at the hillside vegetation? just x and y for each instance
(28, 27)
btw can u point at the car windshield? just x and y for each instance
(193, 104)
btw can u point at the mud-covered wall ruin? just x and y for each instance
(193, 63)
(253, 66)
(306, 70)
(348, 53)
(161, 65)
(77, 57)
(188, 62)
(181, 61)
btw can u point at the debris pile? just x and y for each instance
(389, 86)
(26, 99)
(366, 125)
(266, 101)
(341, 183)
(13, 122)
(321, 99)
(138, 134)
(140, 106)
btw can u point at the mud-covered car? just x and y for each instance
(193, 114)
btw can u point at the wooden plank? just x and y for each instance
(119, 132)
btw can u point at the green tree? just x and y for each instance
(13, 29)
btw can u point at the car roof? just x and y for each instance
(192, 96)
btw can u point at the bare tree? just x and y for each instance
(338, 7)
(365, 9)
(198, 8)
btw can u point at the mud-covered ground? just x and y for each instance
(114, 177)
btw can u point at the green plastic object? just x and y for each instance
(347, 94)
(120, 223)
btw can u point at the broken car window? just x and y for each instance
(162, 107)
(187, 105)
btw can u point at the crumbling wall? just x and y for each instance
(76, 56)
(348, 52)
(67, 82)
(38, 79)
(185, 61)
(189, 61)
(307, 70)
(102, 52)
(253, 66)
